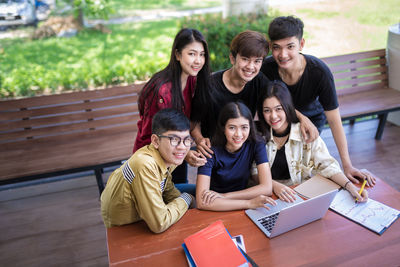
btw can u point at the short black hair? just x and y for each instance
(169, 119)
(284, 27)
(279, 90)
(234, 110)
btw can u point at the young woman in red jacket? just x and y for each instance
(174, 87)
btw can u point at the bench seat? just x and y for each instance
(361, 81)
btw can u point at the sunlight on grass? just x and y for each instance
(318, 14)
(131, 52)
(135, 7)
(389, 12)
(135, 51)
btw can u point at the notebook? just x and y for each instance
(287, 216)
(372, 214)
(315, 186)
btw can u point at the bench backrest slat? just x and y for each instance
(65, 118)
(350, 66)
(104, 133)
(70, 128)
(354, 56)
(359, 71)
(361, 80)
(64, 114)
(68, 97)
(67, 108)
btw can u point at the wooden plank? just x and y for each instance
(67, 128)
(68, 118)
(43, 209)
(369, 102)
(357, 65)
(54, 141)
(81, 153)
(75, 107)
(354, 56)
(69, 97)
(359, 72)
(359, 89)
(361, 81)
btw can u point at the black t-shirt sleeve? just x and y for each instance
(327, 90)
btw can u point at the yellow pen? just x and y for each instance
(362, 188)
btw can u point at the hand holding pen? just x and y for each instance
(359, 195)
(361, 189)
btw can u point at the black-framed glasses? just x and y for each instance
(176, 140)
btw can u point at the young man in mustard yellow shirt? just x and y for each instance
(141, 189)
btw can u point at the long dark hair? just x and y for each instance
(172, 72)
(279, 90)
(233, 110)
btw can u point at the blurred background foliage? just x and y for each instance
(132, 52)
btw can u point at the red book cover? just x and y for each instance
(213, 246)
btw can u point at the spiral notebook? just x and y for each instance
(372, 214)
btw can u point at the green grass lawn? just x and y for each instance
(135, 7)
(135, 51)
(91, 59)
(165, 4)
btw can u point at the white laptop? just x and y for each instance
(287, 216)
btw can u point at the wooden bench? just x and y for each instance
(361, 81)
(46, 136)
(53, 135)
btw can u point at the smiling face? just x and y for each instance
(191, 58)
(171, 155)
(246, 67)
(274, 115)
(236, 132)
(286, 52)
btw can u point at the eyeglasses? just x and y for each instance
(176, 140)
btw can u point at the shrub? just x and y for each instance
(219, 32)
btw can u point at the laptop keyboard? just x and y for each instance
(269, 221)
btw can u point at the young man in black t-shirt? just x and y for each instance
(242, 82)
(311, 85)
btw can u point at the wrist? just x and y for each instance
(345, 185)
(346, 163)
(248, 204)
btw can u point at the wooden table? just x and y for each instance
(331, 241)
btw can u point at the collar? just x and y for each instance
(159, 160)
(295, 133)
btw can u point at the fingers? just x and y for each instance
(362, 174)
(209, 196)
(309, 132)
(313, 134)
(357, 173)
(352, 179)
(261, 201)
(305, 134)
(371, 180)
(205, 150)
(270, 201)
(287, 195)
(361, 198)
(208, 143)
(196, 159)
(364, 195)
